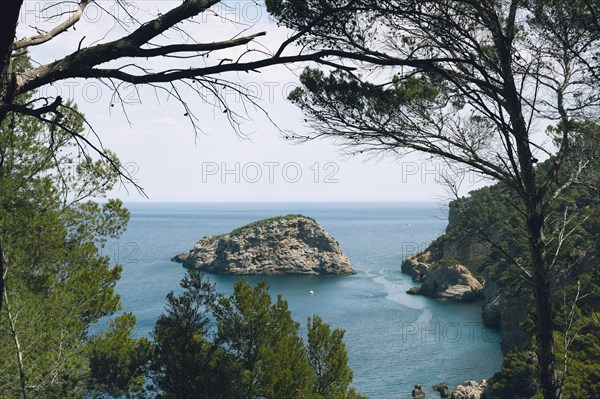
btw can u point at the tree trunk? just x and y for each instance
(8, 29)
(541, 277)
(19, 352)
(542, 289)
(543, 305)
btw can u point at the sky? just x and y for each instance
(172, 162)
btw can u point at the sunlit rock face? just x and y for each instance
(292, 244)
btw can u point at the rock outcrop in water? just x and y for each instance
(418, 392)
(443, 280)
(417, 265)
(443, 389)
(470, 390)
(503, 308)
(292, 244)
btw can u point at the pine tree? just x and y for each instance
(57, 283)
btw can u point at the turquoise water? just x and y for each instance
(394, 340)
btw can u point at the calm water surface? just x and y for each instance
(394, 340)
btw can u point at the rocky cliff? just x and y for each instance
(292, 244)
(460, 265)
(486, 235)
(448, 276)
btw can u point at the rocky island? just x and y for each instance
(291, 244)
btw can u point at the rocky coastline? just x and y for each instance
(444, 280)
(466, 390)
(291, 244)
(446, 270)
(456, 267)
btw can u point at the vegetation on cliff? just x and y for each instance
(485, 232)
(267, 222)
(290, 244)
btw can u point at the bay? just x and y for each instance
(394, 340)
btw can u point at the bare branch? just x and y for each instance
(51, 34)
(81, 65)
(573, 178)
(176, 48)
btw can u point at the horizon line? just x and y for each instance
(137, 201)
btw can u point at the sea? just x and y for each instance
(394, 340)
